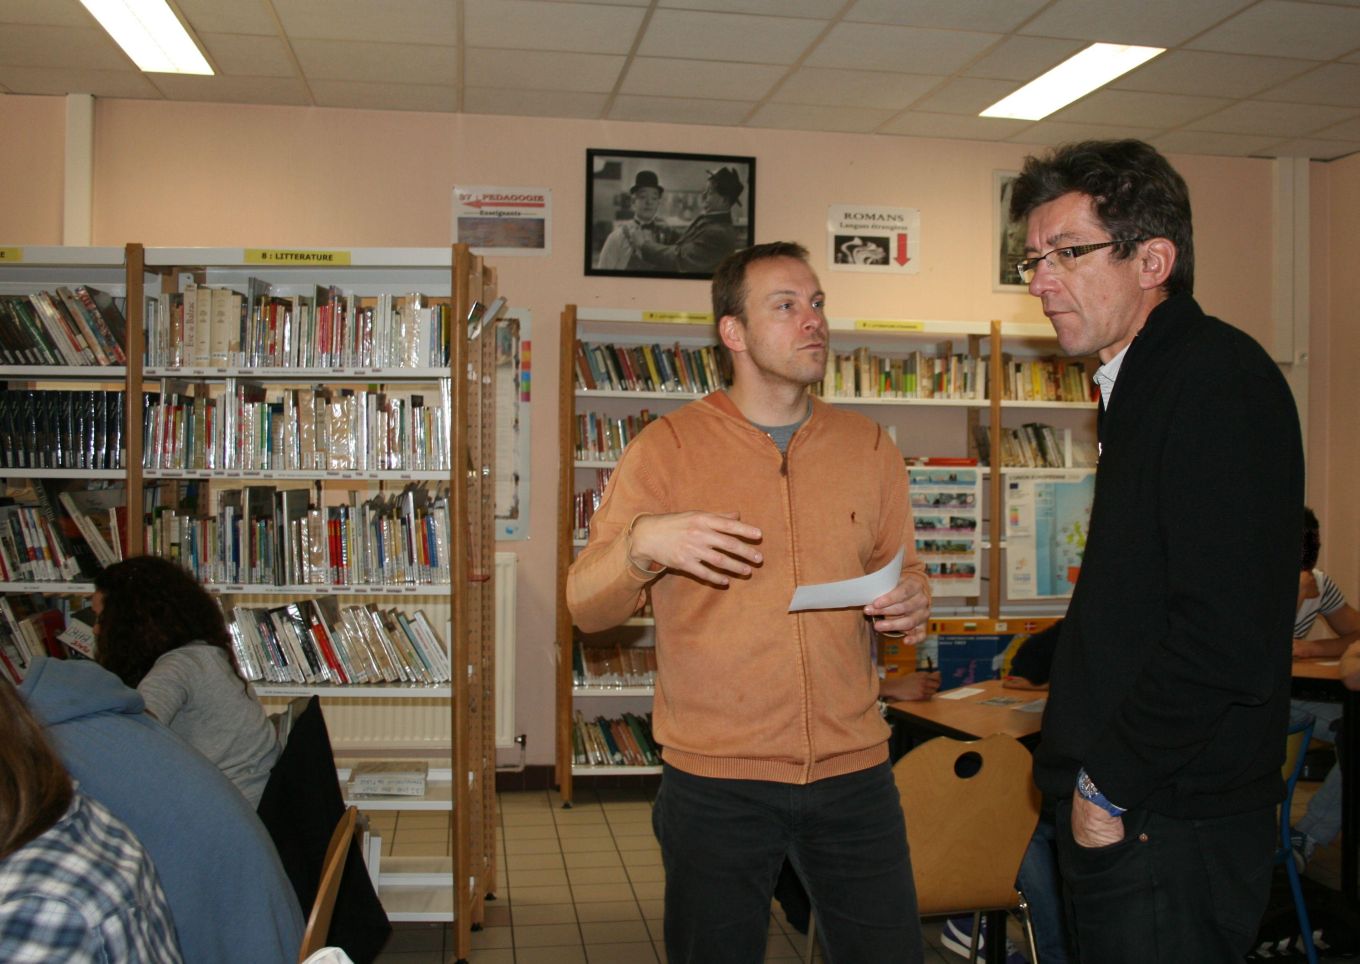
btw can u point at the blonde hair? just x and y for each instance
(35, 789)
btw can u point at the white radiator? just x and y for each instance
(505, 648)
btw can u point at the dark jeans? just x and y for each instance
(1171, 891)
(1038, 881)
(723, 842)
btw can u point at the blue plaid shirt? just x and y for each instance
(84, 891)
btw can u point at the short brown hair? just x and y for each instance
(35, 789)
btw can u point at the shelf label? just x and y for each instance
(11, 255)
(876, 324)
(279, 256)
(678, 317)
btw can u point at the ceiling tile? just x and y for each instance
(807, 117)
(1140, 109)
(1264, 117)
(1211, 74)
(214, 16)
(582, 28)
(1318, 150)
(1058, 132)
(100, 83)
(853, 88)
(677, 110)
(45, 11)
(965, 95)
(370, 96)
(74, 48)
(542, 70)
(378, 63)
(1208, 142)
(1156, 23)
(251, 56)
(1021, 59)
(973, 128)
(1281, 28)
(533, 103)
(1329, 84)
(730, 37)
(410, 21)
(660, 77)
(985, 15)
(1348, 130)
(911, 50)
(817, 9)
(234, 90)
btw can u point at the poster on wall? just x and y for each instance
(873, 239)
(513, 393)
(1008, 237)
(1047, 519)
(945, 506)
(503, 220)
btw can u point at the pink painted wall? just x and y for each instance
(211, 174)
(34, 132)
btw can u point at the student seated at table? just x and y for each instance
(1319, 596)
(161, 632)
(228, 894)
(75, 884)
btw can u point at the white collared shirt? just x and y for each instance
(1106, 374)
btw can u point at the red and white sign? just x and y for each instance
(503, 220)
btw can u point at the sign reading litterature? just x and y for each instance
(873, 239)
(281, 256)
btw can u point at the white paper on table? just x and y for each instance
(958, 694)
(859, 591)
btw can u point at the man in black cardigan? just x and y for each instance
(1163, 735)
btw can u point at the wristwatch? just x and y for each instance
(1089, 791)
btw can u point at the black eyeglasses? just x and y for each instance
(1028, 268)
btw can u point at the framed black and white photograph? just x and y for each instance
(1008, 237)
(652, 215)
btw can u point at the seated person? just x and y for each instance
(75, 884)
(158, 630)
(228, 894)
(1319, 596)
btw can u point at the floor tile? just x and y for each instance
(598, 875)
(593, 892)
(555, 894)
(646, 889)
(489, 937)
(540, 861)
(547, 935)
(539, 878)
(549, 955)
(608, 910)
(640, 953)
(615, 932)
(544, 914)
(592, 859)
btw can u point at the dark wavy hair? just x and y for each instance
(35, 789)
(1312, 540)
(152, 606)
(1137, 194)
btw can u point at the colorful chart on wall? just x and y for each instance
(1047, 520)
(945, 507)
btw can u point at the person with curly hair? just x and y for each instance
(161, 632)
(75, 884)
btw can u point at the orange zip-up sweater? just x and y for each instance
(745, 689)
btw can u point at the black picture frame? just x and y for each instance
(681, 245)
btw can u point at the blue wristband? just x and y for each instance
(1089, 791)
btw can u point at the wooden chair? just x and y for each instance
(319, 920)
(970, 808)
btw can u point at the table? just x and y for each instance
(970, 718)
(1321, 679)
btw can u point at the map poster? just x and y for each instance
(1047, 520)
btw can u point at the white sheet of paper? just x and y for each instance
(859, 591)
(963, 692)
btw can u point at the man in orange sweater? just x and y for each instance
(772, 740)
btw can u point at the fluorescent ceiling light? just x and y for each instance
(1075, 77)
(151, 34)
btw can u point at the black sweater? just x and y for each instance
(1171, 680)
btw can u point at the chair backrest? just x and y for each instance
(319, 920)
(971, 808)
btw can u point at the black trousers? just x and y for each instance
(1172, 891)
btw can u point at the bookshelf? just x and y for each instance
(925, 381)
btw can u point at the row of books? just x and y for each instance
(208, 326)
(623, 741)
(1036, 445)
(243, 426)
(863, 373)
(317, 641)
(586, 501)
(78, 326)
(61, 429)
(601, 437)
(33, 626)
(260, 535)
(1047, 380)
(606, 665)
(31, 549)
(651, 368)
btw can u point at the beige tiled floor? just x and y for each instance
(577, 886)
(584, 885)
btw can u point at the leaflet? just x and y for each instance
(859, 591)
